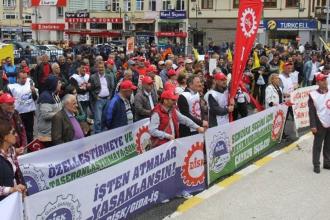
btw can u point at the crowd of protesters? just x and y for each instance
(85, 93)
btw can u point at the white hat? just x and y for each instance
(188, 61)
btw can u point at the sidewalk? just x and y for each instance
(285, 188)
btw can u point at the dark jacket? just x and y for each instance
(39, 73)
(7, 174)
(142, 104)
(115, 113)
(184, 109)
(62, 129)
(96, 85)
(215, 110)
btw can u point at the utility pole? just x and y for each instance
(327, 23)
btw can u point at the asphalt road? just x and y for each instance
(286, 189)
(163, 210)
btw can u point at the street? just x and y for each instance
(285, 188)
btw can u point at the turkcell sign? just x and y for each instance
(173, 15)
(291, 25)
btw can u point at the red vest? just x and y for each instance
(164, 124)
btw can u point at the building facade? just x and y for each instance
(15, 22)
(283, 21)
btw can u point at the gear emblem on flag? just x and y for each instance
(249, 22)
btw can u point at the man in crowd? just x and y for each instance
(311, 67)
(189, 106)
(10, 70)
(217, 101)
(101, 91)
(25, 95)
(65, 127)
(165, 120)
(145, 99)
(42, 71)
(119, 111)
(164, 73)
(319, 117)
(11, 116)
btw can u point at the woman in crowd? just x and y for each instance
(182, 81)
(274, 93)
(11, 178)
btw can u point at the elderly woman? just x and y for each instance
(274, 93)
(11, 178)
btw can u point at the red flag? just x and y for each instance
(249, 16)
(35, 145)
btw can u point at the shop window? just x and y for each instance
(9, 3)
(60, 12)
(152, 5)
(207, 4)
(169, 27)
(99, 26)
(139, 5)
(180, 5)
(117, 26)
(77, 26)
(270, 3)
(292, 3)
(127, 5)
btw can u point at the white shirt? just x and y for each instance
(314, 71)
(104, 92)
(82, 80)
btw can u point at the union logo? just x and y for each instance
(143, 142)
(249, 22)
(278, 125)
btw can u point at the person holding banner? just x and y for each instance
(190, 106)
(274, 93)
(11, 178)
(319, 116)
(165, 120)
(217, 101)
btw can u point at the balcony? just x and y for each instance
(321, 13)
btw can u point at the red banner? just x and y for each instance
(172, 34)
(94, 20)
(48, 26)
(58, 3)
(249, 16)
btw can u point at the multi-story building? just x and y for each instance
(99, 21)
(282, 21)
(15, 23)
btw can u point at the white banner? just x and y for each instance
(299, 98)
(11, 208)
(61, 164)
(125, 189)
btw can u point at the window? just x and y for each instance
(270, 3)
(324, 2)
(166, 5)
(139, 5)
(27, 19)
(117, 26)
(152, 5)
(292, 3)
(25, 3)
(60, 12)
(235, 3)
(127, 5)
(9, 3)
(99, 26)
(180, 5)
(114, 5)
(207, 4)
(9, 16)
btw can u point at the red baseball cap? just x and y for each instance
(171, 72)
(152, 68)
(319, 77)
(110, 62)
(169, 94)
(127, 85)
(219, 76)
(147, 80)
(6, 98)
(288, 64)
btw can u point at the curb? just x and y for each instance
(216, 188)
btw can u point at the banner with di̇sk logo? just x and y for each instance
(125, 189)
(64, 163)
(233, 145)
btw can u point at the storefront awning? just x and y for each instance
(100, 33)
(143, 21)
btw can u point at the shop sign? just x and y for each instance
(94, 20)
(173, 15)
(171, 34)
(291, 25)
(48, 27)
(78, 14)
(58, 3)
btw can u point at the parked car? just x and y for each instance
(51, 50)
